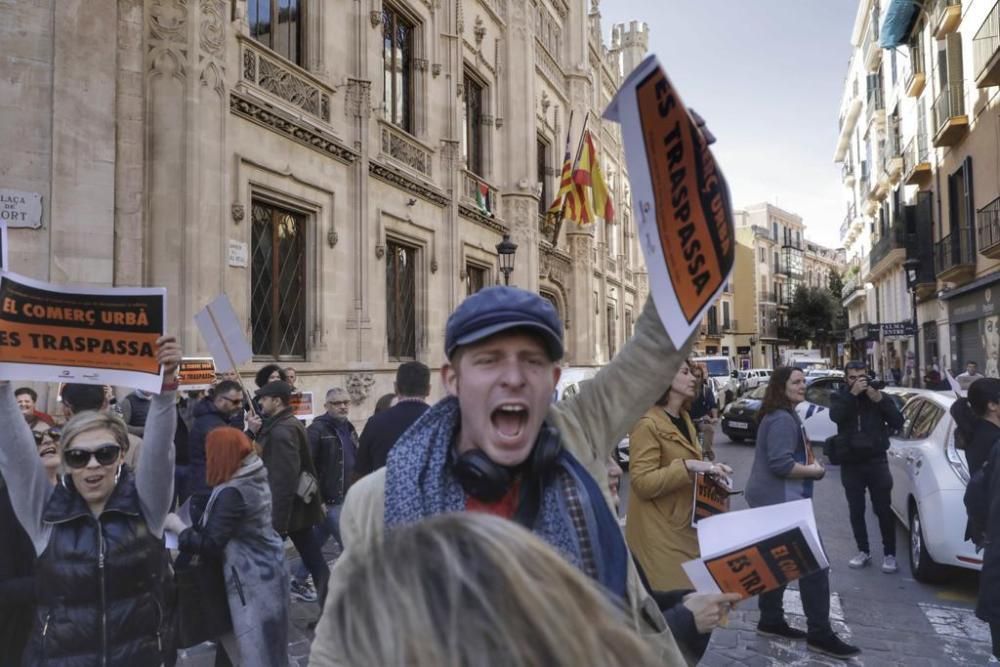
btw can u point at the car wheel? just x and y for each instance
(924, 568)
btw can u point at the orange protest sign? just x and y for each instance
(710, 498)
(302, 405)
(765, 565)
(68, 334)
(196, 373)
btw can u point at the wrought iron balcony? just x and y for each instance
(870, 49)
(916, 163)
(876, 106)
(847, 173)
(955, 256)
(917, 78)
(883, 252)
(945, 17)
(768, 297)
(988, 229)
(730, 326)
(950, 119)
(986, 50)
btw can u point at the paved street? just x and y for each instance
(894, 619)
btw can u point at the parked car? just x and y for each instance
(756, 377)
(739, 418)
(929, 477)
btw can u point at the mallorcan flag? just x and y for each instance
(589, 177)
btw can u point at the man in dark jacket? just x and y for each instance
(413, 386)
(211, 412)
(285, 451)
(865, 417)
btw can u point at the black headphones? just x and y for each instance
(487, 481)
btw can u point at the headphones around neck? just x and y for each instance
(488, 482)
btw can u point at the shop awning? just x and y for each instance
(900, 16)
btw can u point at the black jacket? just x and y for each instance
(102, 585)
(206, 420)
(381, 433)
(285, 452)
(852, 414)
(326, 444)
(988, 606)
(17, 583)
(210, 540)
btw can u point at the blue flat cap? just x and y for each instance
(496, 309)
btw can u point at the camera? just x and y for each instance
(877, 385)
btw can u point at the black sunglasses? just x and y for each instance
(52, 433)
(79, 458)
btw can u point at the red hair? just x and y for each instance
(225, 449)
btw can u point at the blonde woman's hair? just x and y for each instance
(474, 590)
(92, 420)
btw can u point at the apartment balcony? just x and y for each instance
(986, 50)
(916, 80)
(847, 173)
(890, 250)
(950, 120)
(916, 162)
(479, 198)
(876, 108)
(781, 271)
(854, 289)
(870, 50)
(955, 257)
(768, 297)
(713, 330)
(784, 332)
(945, 17)
(730, 326)
(892, 158)
(988, 229)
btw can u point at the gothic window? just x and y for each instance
(611, 332)
(473, 100)
(401, 299)
(277, 291)
(541, 160)
(278, 25)
(475, 279)
(397, 67)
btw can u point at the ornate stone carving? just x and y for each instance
(479, 31)
(238, 212)
(359, 386)
(406, 183)
(213, 27)
(549, 68)
(487, 120)
(276, 120)
(546, 102)
(168, 20)
(358, 98)
(480, 218)
(274, 77)
(434, 265)
(436, 70)
(375, 16)
(332, 237)
(420, 64)
(405, 150)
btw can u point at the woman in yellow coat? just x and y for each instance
(664, 455)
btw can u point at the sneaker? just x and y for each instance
(889, 565)
(863, 559)
(833, 646)
(782, 630)
(303, 590)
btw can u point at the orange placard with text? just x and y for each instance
(765, 565)
(710, 498)
(196, 374)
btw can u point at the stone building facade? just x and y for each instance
(343, 171)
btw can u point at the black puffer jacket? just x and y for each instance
(988, 606)
(102, 585)
(853, 413)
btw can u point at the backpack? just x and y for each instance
(977, 500)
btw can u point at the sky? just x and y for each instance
(767, 76)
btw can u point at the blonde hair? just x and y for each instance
(474, 590)
(93, 420)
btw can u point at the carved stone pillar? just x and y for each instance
(521, 213)
(580, 339)
(187, 109)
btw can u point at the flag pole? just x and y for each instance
(572, 167)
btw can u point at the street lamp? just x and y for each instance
(505, 257)
(912, 267)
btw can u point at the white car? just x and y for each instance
(755, 377)
(815, 410)
(929, 476)
(571, 380)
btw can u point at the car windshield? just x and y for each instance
(716, 367)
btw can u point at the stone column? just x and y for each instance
(187, 108)
(580, 339)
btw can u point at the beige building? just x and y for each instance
(343, 171)
(921, 170)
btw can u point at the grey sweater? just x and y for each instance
(29, 486)
(780, 445)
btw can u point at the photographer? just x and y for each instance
(865, 418)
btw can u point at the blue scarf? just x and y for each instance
(418, 484)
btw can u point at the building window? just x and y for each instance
(397, 68)
(611, 332)
(277, 24)
(774, 230)
(763, 255)
(277, 290)
(629, 323)
(401, 301)
(541, 160)
(475, 279)
(472, 112)
(726, 322)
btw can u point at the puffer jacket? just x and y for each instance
(101, 577)
(285, 452)
(988, 606)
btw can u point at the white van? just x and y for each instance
(723, 376)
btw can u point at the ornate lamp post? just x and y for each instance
(505, 257)
(912, 266)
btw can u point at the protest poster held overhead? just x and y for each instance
(59, 333)
(679, 198)
(196, 374)
(221, 329)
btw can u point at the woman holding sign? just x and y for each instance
(664, 458)
(102, 571)
(784, 469)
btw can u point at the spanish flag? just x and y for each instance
(588, 176)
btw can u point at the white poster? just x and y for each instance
(223, 333)
(680, 199)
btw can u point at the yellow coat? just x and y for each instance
(658, 529)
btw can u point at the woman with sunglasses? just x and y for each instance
(102, 568)
(17, 559)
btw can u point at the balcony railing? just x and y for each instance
(917, 79)
(768, 297)
(986, 50)
(480, 195)
(847, 172)
(916, 164)
(870, 48)
(713, 328)
(875, 104)
(950, 120)
(730, 326)
(945, 17)
(851, 285)
(988, 229)
(894, 238)
(955, 256)
(892, 153)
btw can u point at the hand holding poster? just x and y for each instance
(57, 333)
(711, 497)
(679, 197)
(757, 550)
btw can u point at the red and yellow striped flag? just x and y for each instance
(565, 182)
(590, 180)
